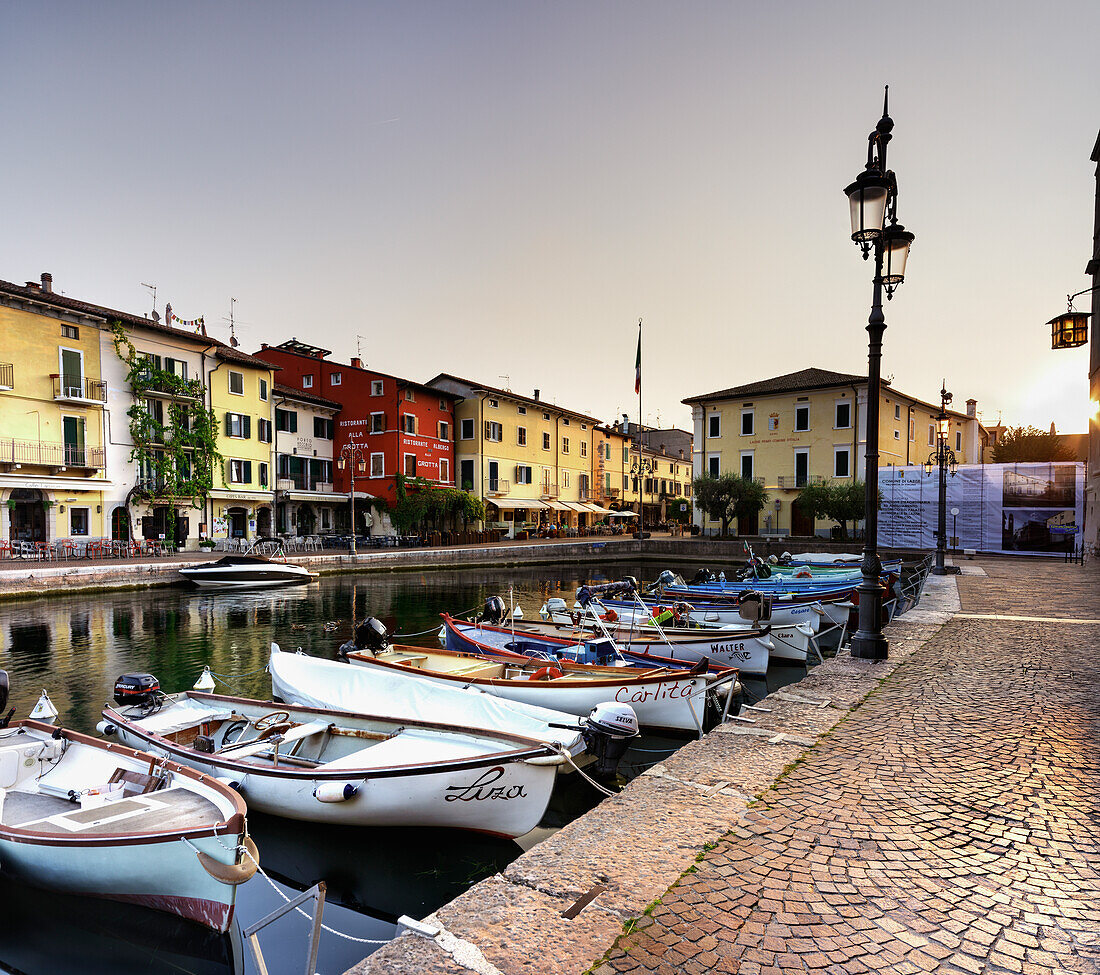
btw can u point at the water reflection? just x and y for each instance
(77, 645)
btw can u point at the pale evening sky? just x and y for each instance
(504, 188)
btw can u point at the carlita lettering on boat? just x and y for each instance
(639, 695)
(483, 788)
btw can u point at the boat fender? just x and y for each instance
(610, 616)
(803, 574)
(106, 728)
(232, 783)
(546, 673)
(334, 791)
(233, 874)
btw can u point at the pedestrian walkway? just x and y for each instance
(951, 823)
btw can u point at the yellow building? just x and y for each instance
(810, 427)
(666, 473)
(52, 400)
(241, 502)
(531, 462)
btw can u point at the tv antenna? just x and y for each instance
(359, 347)
(153, 289)
(232, 324)
(507, 383)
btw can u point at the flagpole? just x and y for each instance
(641, 496)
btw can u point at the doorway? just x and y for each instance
(26, 516)
(120, 525)
(263, 523)
(238, 522)
(802, 523)
(748, 526)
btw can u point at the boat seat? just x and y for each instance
(136, 783)
(409, 659)
(410, 747)
(297, 733)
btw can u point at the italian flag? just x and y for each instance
(638, 362)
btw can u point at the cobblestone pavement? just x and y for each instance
(951, 823)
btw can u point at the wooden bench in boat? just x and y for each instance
(297, 733)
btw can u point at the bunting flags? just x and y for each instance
(195, 323)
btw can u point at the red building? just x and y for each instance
(403, 427)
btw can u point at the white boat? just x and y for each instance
(264, 564)
(95, 818)
(322, 765)
(663, 699)
(300, 679)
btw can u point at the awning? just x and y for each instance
(512, 503)
(624, 514)
(598, 509)
(574, 506)
(321, 497)
(557, 505)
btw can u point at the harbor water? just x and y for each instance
(74, 646)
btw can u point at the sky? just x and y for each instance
(501, 190)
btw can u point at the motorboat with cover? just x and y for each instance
(301, 679)
(95, 818)
(664, 699)
(329, 766)
(264, 564)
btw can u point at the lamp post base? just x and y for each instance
(869, 646)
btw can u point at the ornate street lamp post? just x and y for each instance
(642, 468)
(872, 196)
(351, 455)
(942, 458)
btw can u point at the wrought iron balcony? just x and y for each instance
(548, 491)
(497, 485)
(168, 386)
(43, 453)
(7, 375)
(78, 389)
(789, 481)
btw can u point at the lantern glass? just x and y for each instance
(1069, 331)
(897, 241)
(927, 467)
(944, 425)
(341, 464)
(867, 198)
(361, 467)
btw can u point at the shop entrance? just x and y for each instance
(26, 516)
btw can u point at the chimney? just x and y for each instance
(356, 362)
(681, 453)
(47, 282)
(1052, 430)
(263, 345)
(971, 407)
(536, 395)
(35, 285)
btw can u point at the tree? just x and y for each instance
(837, 502)
(728, 496)
(674, 512)
(1030, 445)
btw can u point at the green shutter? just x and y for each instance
(246, 432)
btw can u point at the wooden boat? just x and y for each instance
(264, 564)
(98, 819)
(311, 681)
(571, 637)
(663, 699)
(322, 765)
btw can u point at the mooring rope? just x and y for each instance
(564, 752)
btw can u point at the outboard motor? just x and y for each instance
(607, 732)
(632, 581)
(756, 607)
(137, 690)
(555, 604)
(494, 611)
(702, 576)
(371, 635)
(4, 699)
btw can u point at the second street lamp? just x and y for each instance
(942, 459)
(352, 456)
(872, 198)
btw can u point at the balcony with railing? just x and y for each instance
(44, 453)
(7, 375)
(548, 491)
(78, 389)
(164, 385)
(793, 481)
(303, 482)
(497, 485)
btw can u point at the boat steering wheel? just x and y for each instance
(271, 720)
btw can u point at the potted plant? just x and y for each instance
(206, 543)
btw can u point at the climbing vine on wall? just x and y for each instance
(176, 451)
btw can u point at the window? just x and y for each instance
(494, 432)
(377, 465)
(307, 382)
(565, 476)
(444, 406)
(521, 436)
(607, 451)
(443, 430)
(801, 468)
(322, 427)
(712, 465)
(521, 410)
(71, 332)
(841, 462)
(493, 404)
(410, 465)
(565, 445)
(545, 415)
(607, 483)
(626, 454)
(523, 474)
(897, 434)
(672, 468)
(467, 475)
(408, 423)
(335, 379)
(177, 367)
(263, 430)
(626, 483)
(376, 387)
(378, 423)
(236, 383)
(746, 465)
(78, 517)
(286, 421)
(546, 441)
(801, 419)
(584, 448)
(897, 411)
(584, 426)
(714, 425)
(565, 421)
(263, 475)
(912, 429)
(238, 425)
(240, 471)
(843, 416)
(467, 429)
(409, 397)
(931, 435)
(748, 423)
(444, 469)
(773, 422)
(958, 440)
